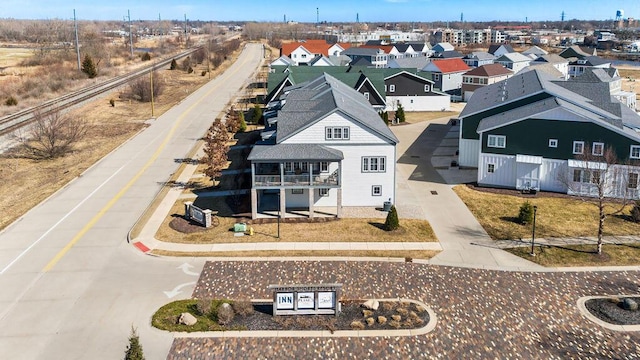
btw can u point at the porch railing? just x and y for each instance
(301, 180)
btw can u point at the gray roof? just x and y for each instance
(589, 61)
(546, 67)
(551, 58)
(417, 62)
(309, 152)
(513, 57)
(480, 55)
(535, 50)
(360, 51)
(589, 100)
(322, 96)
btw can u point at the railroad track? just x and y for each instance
(21, 118)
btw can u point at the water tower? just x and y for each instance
(619, 15)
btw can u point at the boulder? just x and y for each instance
(187, 319)
(371, 304)
(629, 304)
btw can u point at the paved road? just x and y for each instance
(71, 285)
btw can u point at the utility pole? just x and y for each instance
(185, 29)
(151, 82)
(75, 25)
(130, 34)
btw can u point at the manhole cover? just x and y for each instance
(433, 192)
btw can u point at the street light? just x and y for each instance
(279, 210)
(533, 234)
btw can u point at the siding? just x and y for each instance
(469, 152)
(504, 174)
(315, 134)
(550, 175)
(419, 103)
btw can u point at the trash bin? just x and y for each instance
(239, 227)
(386, 206)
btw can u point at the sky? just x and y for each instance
(326, 10)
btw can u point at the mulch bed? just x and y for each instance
(514, 192)
(180, 224)
(261, 318)
(612, 312)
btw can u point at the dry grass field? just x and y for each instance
(24, 183)
(556, 216)
(630, 77)
(420, 116)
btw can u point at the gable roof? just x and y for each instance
(480, 55)
(449, 54)
(385, 48)
(551, 58)
(577, 51)
(447, 66)
(322, 96)
(513, 57)
(316, 47)
(535, 50)
(495, 47)
(489, 70)
(362, 51)
(417, 62)
(444, 46)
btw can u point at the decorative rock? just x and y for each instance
(187, 319)
(629, 304)
(371, 304)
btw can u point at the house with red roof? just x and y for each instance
(303, 52)
(482, 76)
(447, 74)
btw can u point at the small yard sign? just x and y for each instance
(306, 299)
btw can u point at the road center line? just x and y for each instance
(153, 158)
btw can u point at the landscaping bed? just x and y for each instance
(391, 315)
(612, 311)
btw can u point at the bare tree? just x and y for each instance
(599, 178)
(52, 135)
(215, 150)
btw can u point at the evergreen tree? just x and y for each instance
(400, 113)
(243, 124)
(392, 222)
(174, 65)
(88, 67)
(257, 114)
(525, 215)
(134, 350)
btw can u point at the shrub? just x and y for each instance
(112, 102)
(382, 320)
(243, 307)
(203, 73)
(367, 313)
(257, 114)
(635, 211)
(396, 317)
(243, 124)
(371, 321)
(11, 101)
(89, 67)
(204, 306)
(525, 216)
(392, 222)
(225, 314)
(357, 325)
(186, 64)
(174, 65)
(189, 70)
(146, 57)
(395, 324)
(402, 311)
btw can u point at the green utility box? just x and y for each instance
(239, 227)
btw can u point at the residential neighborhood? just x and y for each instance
(411, 181)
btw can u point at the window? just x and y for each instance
(578, 147)
(491, 168)
(584, 176)
(497, 141)
(633, 181)
(436, 77)
(366, 95)
(337, 133)
(597, 149)
(635, 152)
(376, 190)
(323, 192)
(288, 167)
(553, 143)
(374, 164)
(297, 191)
(392, 88)
(324, 166)
(426, 88)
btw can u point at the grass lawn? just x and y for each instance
(426, 254)
(412, 117)
(342, 230)
(556, 216)
(582, 255)
(166, 318)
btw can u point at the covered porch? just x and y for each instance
(293, 179)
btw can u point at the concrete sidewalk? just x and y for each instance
(424, 191)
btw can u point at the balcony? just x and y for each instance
(327, 180)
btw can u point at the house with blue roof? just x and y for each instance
(327, 148)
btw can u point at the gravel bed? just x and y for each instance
(262, 319)
(612, 312)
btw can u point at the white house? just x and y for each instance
(514, 61)
(327, 148)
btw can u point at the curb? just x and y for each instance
(587, 314)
